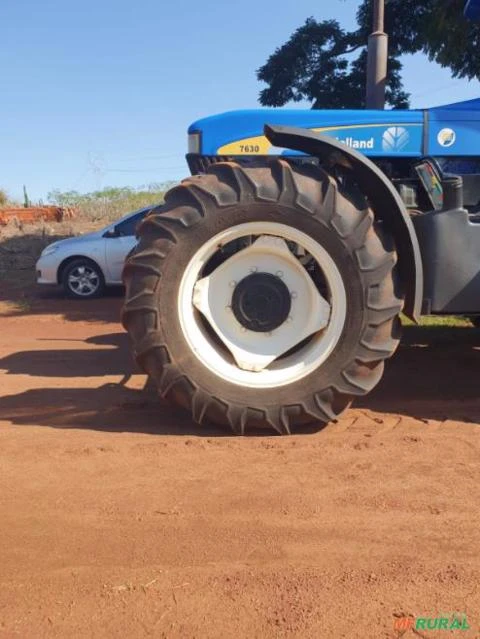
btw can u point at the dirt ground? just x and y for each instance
(121, 518)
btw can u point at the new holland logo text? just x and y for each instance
(355, 143)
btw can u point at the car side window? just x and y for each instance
(129, 226)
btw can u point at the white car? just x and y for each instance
(84, 265)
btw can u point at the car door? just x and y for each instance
(118, 244)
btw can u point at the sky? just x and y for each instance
(100, 93)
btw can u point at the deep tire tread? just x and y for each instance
(311, 191)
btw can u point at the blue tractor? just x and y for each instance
(266, 291)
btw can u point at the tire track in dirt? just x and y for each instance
(118, 516)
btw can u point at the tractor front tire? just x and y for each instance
(263, 297)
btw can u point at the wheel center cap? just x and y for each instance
(261, 302)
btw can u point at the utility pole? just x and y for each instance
(377, 59)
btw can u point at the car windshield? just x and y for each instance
(137, 214)
(128, 223)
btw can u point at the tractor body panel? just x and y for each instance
(454, 130)
(450, 246)
(451, 130)
(444, 237)
(472, 10)
(376, 133)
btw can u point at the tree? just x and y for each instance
(436, 28)
(318, 64)
(326, 65)
(26, 200)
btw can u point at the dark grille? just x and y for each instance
(200, 163)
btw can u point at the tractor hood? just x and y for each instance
(472, 10)
(453, 129)
(241, 132)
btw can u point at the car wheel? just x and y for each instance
(83, 279)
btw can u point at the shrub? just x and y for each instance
(110, 203)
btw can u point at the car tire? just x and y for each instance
(83, 279)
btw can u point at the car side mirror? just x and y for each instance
(111, 233)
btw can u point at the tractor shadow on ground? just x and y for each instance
(107, 407)
(434, 375)
(113, 357)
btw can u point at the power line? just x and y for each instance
(149, 170)
(125, 158)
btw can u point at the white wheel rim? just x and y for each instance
(243, 357)
(83, 280)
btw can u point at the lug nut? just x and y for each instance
(253, 269)
(233, 284)
(289, 318)
(279, 273)
(293, 295)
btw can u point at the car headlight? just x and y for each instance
(49, 250)
(194, 142)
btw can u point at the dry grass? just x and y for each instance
(110, 204)
(21, 244)
(443, 321)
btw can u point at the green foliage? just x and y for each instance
(436, 28)
(6, 200)
(318, 64)
(326, 65)
(26, 200)
(111, 202)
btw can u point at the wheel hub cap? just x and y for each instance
(261, 302)
(83, 281)
(254, 350)
(214, 325)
